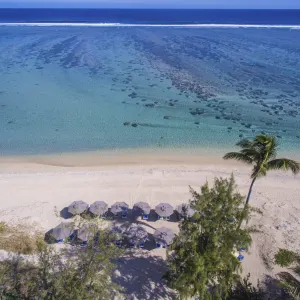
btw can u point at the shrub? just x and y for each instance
(285, 258)
(19, 238)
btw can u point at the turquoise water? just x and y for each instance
(73, 88)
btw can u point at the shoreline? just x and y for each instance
(115, 159)
(122, 158)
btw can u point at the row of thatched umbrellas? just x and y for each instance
(100, 208)
(136, 234)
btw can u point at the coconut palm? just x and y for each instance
(261, 153)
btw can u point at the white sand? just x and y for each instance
(31, 188)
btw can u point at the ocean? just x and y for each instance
(78, 80)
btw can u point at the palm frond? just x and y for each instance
(244, 143)
(291, 284)
(251, 152)
(283, 164)
(239, 157)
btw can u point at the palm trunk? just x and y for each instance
(250, 191)
(247, 202)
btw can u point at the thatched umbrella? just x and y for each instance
(164, 236)
(119, 207)
(77, 207)
(142, 208)
(62, 231)
(164, 209)
(87, 231)
(185, 210)
(136, 234)
(98, 208)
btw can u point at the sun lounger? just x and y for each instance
(240, 257)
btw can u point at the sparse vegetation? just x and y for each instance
(20, 238)
(76, 273)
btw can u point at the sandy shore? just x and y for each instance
(33, 187)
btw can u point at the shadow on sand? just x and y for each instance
(274, 289)
(65, 214)
(141, 277)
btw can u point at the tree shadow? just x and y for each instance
(273, 288)
(174, 218)
(145, 223)
(65, 214)
(142, 278)
(152, 216)
(49, 238)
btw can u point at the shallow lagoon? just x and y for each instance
(72, 89)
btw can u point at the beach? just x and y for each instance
(141, 107)
(34, 188)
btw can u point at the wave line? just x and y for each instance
(150, 25)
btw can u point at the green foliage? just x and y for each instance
(261, 154)
(244, 290)
(201, 260)
(285, 258)
(76, 273)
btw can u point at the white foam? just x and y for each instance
(150, 25)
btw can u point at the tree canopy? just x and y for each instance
(201, 260)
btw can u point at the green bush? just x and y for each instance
(285, 258)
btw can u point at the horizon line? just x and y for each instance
(80, 24)
(150, 8)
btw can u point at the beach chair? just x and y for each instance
(240, 257)
(145, 217)
(72, 237)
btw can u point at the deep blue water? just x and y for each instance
(158, 16)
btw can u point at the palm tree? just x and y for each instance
(261, 153)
